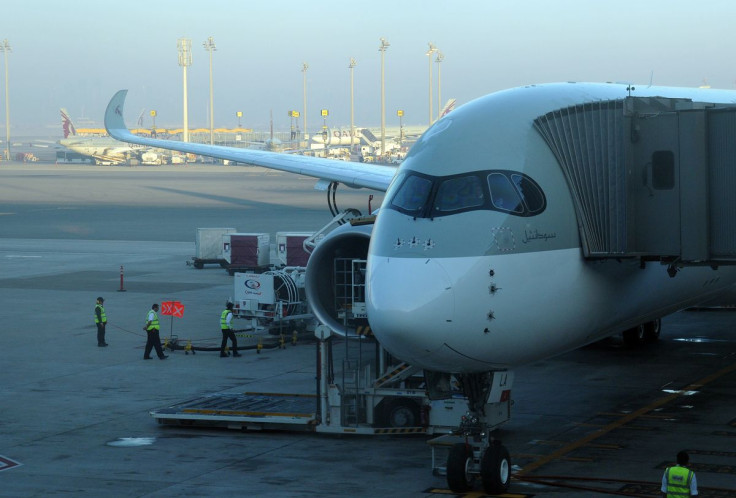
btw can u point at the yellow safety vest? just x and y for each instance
(154, 322)
(102, 314)
(223, 320)
(678, 482)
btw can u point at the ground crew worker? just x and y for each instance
(101, 322)
(679, 481)
(154, 341)
(226, 318)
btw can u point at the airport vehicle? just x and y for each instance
(525, 224)
(360, 395)
(208, 247)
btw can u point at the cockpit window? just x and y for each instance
(412, 195)
(503, 194)
(531, 194)
(426, 196)
(459, 193)
(396, 181)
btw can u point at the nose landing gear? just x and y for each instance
(495, 469)
(487, 459)
(481, 456)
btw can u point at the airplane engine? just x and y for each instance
(345, 242)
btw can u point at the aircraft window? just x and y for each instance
(530, 192)
(504, 196)
(412, 195)
(423, 196)
(459, 193)
(397, 180)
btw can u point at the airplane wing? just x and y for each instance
(352, 174)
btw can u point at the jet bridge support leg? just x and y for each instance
(481, 455)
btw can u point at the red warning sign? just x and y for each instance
(178, 310)
(173, 308)
(166, 308)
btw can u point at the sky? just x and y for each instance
(77, 53)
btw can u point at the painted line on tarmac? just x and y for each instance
(625, 420)
(8, 463)
(472, 494)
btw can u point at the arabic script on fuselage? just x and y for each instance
(530, 235)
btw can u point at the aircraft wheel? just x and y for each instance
(459, 461)
(495, 469)
(652, 330)
(633, 337)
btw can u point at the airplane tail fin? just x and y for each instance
(66, 124)
(449, 106)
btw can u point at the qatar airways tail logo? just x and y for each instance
(67, 125)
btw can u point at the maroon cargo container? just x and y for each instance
(291, 248)
(248, 250)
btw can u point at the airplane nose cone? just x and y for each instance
(410, 305)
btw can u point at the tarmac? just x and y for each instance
(75, 420)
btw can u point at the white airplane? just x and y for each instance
(525, 224)
(103, 149)
(342, 135)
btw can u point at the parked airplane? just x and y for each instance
(102, 149)
(342, 136)
(525, 224)
(369, 136)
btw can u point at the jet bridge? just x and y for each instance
(651, 178)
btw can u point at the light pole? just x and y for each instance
(185, 60)
(295, 125)
(153, 130)
(439, 60)
(209, 45)
(382, 49)
(325, 132)
(400, 114)
(294, 115)
(432, 49)
(351, 66)
(305, 66)
(239, 114)
(5, 48)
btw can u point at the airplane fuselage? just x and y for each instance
(502, 281)
(101, 148)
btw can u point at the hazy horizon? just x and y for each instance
(78, 54)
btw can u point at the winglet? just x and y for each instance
(114, 122)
